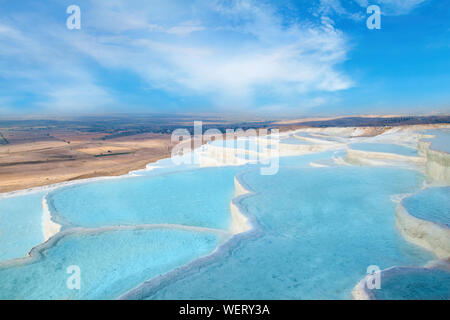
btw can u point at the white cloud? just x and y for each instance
(82, 97)
(295, 59)
(329, 7)
(185, 28)
(393, 7)
(42, 69)
(388, 7)
(175, 48)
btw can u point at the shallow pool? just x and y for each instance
(441, 141)
(432, 204)
(385, 148)
(243, 144)
(198, 198)
(293, 140)
(419, 284)
(110, 263)
(20, 225)
(318, 229)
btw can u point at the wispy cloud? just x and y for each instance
(230, 52)
(185, 28)
(55, 77)
(330, 7)
(264, 54)
(393, 7)
(355, 9)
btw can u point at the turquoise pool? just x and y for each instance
(110, 263)
(418, 284)
(385, 148)
(304, 135)
(198, 198)
(316, 230)
(315, 236)
(293, 140)
(432, 204)
(242, 144)
(441, 140)
(20, 225)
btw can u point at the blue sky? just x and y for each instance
(279, 57)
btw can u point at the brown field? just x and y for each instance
(37, 163)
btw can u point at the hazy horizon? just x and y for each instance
(218, 115)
